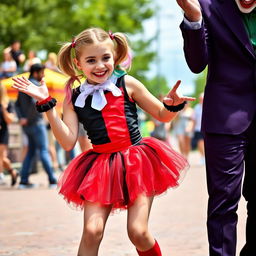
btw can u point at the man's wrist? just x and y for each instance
(194, 25)
(195, 18)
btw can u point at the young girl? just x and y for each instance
(122, 170)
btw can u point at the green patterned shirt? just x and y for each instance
(250, 24)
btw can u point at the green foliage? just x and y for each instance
(45, 24)
(42, 24)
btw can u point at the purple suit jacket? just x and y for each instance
(223, 44)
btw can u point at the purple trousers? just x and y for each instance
(231, 170)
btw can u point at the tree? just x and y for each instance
(44, 24)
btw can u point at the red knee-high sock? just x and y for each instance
(154, 251)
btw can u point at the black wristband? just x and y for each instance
(175, 108)
(46, 106)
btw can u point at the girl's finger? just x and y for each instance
(168, 101)
(19, 80)
(189, 98)
(26, 80)
(19, 85)
(22, 81)
(175, 87)
(15, 79)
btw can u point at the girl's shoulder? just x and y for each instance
(131, 81)
(133, 86)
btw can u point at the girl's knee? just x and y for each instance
(92, 234)
(137, 234)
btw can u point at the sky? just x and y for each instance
(171, 63)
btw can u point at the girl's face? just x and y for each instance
(96, 62)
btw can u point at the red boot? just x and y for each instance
(154, 251)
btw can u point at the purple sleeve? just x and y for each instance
(195, 47)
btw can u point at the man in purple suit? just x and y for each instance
(222, 35)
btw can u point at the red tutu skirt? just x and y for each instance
(117, 179)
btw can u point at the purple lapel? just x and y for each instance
(232, 16)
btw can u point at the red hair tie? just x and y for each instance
(111, 35)
(73, 44)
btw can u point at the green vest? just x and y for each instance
(250, 24)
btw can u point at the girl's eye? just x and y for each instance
(106, 58)
(90, 61)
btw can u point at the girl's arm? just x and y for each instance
(65, 131)
(137, 91)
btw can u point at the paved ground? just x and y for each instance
(39, 223)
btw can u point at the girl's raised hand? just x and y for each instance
(37, 92)
(173, 98)
(191, 9)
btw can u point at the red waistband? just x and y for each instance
(111, 147)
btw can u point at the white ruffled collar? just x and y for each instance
(97, 91)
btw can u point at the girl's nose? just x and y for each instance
(100, 64)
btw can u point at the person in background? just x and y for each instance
(31, 60)
(17, 54)
(222, 35)
(8, 67)
(7, 116)
(83, 140)
(183, 129)
(161, 129)
(34, 127)
(51, 62)
(198, 135)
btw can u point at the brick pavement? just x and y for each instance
(39, 223)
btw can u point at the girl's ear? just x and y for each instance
(77, 63)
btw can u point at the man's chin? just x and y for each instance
(245, 8)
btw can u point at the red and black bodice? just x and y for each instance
(113, 128)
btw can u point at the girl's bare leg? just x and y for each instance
(137, 223)
(95, 217)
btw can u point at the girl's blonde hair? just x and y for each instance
(74, 49)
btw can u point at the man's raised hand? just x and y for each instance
(191, 8)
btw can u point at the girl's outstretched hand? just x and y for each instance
(173, 98)
(37, 92)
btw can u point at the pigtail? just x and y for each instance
(123, 56)
(67, 66)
